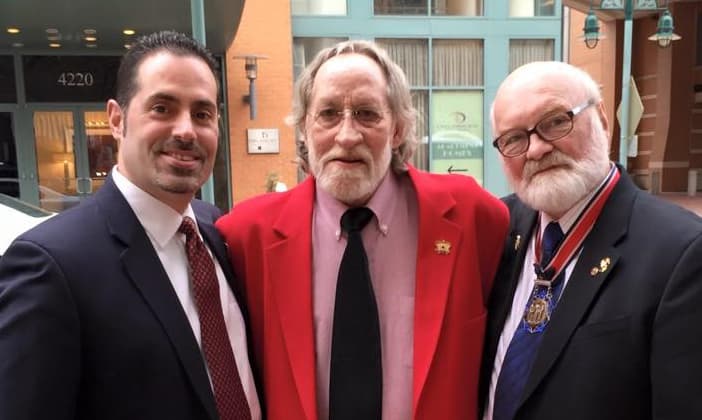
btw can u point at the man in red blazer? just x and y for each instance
(431, 249)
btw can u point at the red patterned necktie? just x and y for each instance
(228, 391)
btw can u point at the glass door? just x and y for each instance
(71, 164)
(56, 159)
(101, 147)
(9, 181)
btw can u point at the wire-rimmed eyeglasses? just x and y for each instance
(365, 116)
(555, 126)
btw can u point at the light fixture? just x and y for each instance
(664, 33)
(51, 31)
(55, 45)
(90, 31)
(90, 38)
(127, 31)
(591, 29)
(13, 30)
(251, 69)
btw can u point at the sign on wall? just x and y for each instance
(263, 140)
(456, 133)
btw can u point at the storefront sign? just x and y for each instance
(69, 78)
(456, 133)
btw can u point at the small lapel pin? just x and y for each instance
(442, 247)
(604, 265)
(517, 242)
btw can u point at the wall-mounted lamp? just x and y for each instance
(251, 68)
(591, 29)
(664, 34)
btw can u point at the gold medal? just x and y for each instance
(537, 313)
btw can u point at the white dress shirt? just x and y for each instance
(161, 223)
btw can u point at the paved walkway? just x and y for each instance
(693, 204)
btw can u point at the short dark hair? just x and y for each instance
(173, 42)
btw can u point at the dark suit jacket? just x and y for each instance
(624, 343)
(270, 242)
(90, 326)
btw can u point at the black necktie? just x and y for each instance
(356, 379)
(521, 352)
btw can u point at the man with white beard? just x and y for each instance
(596, 305)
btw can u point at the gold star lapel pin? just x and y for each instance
(442, 247)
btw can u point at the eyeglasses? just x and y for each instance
(331, 117)
(555, 126)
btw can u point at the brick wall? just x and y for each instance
(264, 30)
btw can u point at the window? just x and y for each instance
(457, 62)
(456, 7)
(420, 100)
(304, 50)
(522, 51)
(451, 128)
(419, 7)
(530, 8)
(318, 7)
(400, 7)
(8, 91)
(410, 54)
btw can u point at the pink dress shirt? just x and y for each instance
(390, 240)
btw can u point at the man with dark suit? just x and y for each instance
(430, 250)
(116, 309)
(598, 298)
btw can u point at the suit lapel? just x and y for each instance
(292, 290)
(433, 274)
(598, 259)
(522, 223)
(143, 267)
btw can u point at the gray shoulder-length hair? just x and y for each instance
(399, 99)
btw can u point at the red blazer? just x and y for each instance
(269, 240)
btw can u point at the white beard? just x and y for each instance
(558, 190)
(353, 187)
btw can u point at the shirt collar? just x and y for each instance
(159, 220)
(382, 203)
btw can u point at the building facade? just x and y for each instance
(454, 52)
(58, 65)
(56, 147)
(665, 153)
